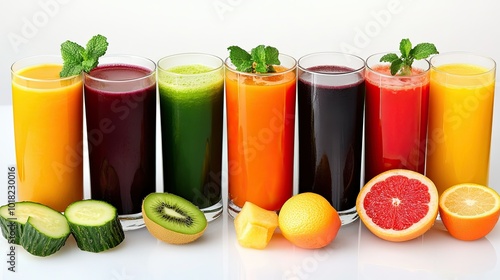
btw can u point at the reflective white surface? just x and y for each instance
(355, 253)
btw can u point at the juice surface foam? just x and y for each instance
(381, 75)
(190, 81)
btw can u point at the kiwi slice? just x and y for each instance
(172, 219)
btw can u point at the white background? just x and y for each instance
(156, 28)
(296, 27)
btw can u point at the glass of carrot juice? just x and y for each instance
(48, 130)
(260, 135)
(460, 119)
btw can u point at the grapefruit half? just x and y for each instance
(398, 205)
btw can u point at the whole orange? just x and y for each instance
(309, 221)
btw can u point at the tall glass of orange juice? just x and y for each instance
(48, 129)
(260, 135)
(460, 119)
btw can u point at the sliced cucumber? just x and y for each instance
(12, 226)
(41, 230)
(94, 225)
(44, 237)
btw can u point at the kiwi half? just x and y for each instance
(172, 219)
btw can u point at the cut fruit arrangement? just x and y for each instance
(42, 231)
(307, 220)
(397, 205)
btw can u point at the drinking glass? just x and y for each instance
(120, 103)
(260, 135)
(191, 87)
(48, 129)
(395, 117)
(460, 119)
(331, 93)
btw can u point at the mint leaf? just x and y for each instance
(96, 47)
(77, 59)
(405, 47)
(72, 56)
(396, 66)
(390, 57)
(72, 52)
(246, 66)
(240, 58)
(424, 50)
(402, 64)
(69, 70)
(260, 59)
(272, 56)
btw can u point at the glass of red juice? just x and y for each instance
(120, 106)
(191, 91)
(331, 94)
(395, 117)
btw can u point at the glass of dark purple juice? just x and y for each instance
(331, 94)
(120, 107)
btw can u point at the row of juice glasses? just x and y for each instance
(437, 121)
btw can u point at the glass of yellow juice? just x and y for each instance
(460, 119)
(48, 130)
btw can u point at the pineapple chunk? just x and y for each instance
(255, 226)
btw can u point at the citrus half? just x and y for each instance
(469, 211)
(309, 221)
(398, 205)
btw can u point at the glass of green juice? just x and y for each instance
(191, 89)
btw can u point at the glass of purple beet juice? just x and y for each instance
(331, 94)
(120, 107)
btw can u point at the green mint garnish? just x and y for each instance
(77, 59)
(402, 64)
(260, 60)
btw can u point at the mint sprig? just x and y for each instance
(260, 59)
(77, 59)
(402, 64)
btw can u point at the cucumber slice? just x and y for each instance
(44, 237)
(94, 225)
(12, 226)
(41, 230)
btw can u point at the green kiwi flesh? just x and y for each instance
(174, 213)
